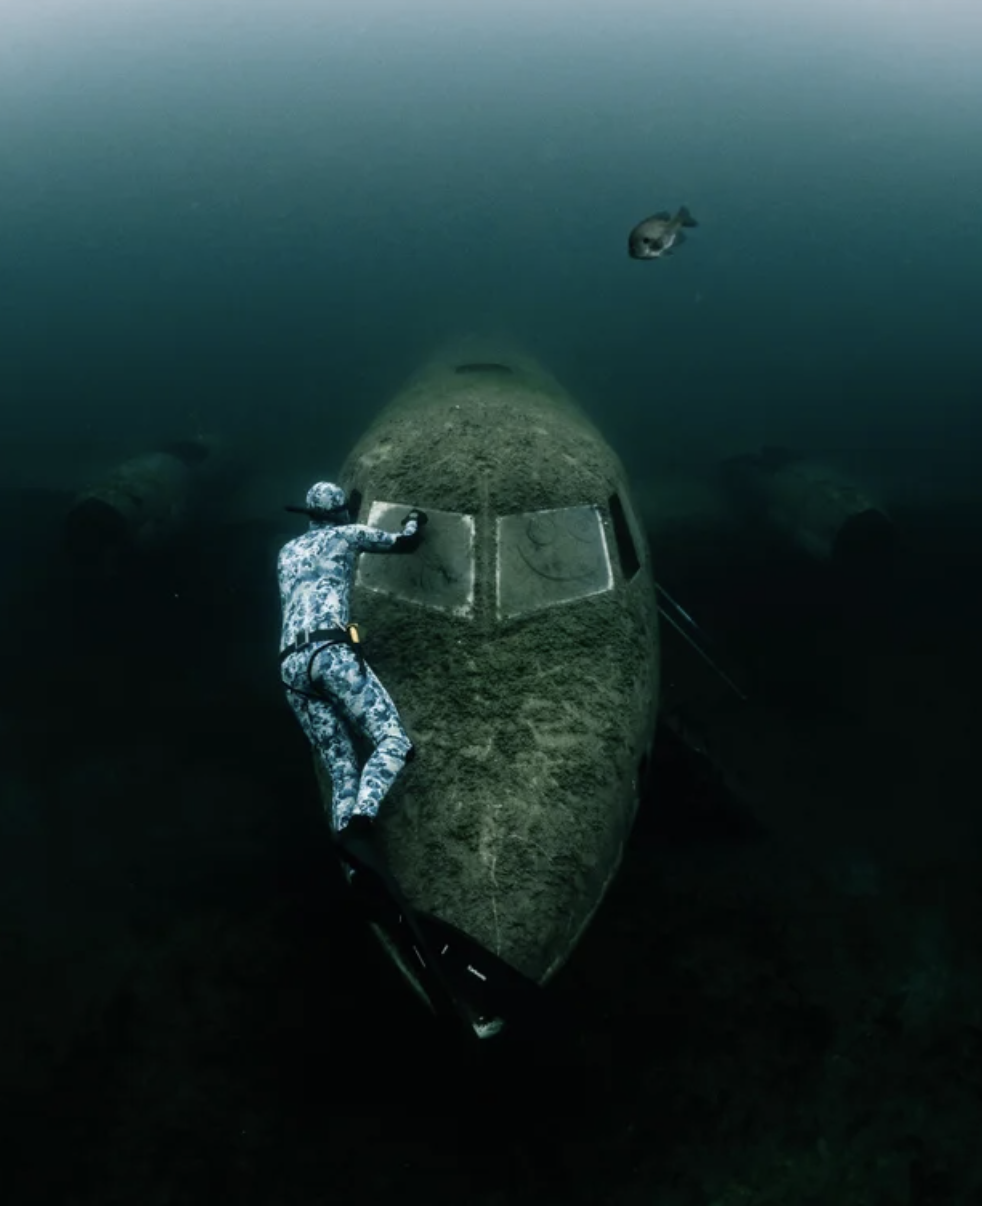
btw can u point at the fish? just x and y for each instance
(658, 235)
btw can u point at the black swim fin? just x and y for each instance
(379, 894)
(466, 984)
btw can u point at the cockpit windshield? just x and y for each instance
(439, 574)
(544, 558)
(550, 557)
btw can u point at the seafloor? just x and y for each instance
(780, 1002)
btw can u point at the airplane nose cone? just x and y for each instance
(519, 643)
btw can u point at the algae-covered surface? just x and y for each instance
(510, 822)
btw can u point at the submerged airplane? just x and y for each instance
(142, 504)
(521, 644)
(813, 506)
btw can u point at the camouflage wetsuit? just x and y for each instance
(330, 687)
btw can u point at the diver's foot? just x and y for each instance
(361, 827)
(357, 842)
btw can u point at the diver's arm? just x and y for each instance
(377, 540)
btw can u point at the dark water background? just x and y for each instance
(255, 221)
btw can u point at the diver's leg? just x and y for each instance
(336, 752)
(368, 707)
(384, 727)
(328, 734)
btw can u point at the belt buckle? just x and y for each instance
(300, 639)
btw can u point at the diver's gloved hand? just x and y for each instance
(408, 542)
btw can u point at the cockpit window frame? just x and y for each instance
(608, 583)
(595, 574)
(373, 570)
(625, 538)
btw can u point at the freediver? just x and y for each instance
(331, 688)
